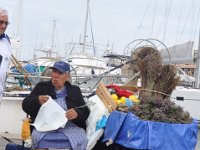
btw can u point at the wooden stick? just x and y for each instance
(16, 65)
(21, 70)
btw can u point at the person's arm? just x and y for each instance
(31, 103)
(83, 112)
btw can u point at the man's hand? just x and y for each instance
(43, 99)
(71, 114)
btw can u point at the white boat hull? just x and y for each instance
(189, 99)
(11, 115)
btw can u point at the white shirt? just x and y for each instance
(5, 52)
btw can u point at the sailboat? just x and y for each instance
(88, 68)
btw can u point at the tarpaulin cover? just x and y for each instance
(129, 131)
(30, 68)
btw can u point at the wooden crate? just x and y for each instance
(106, 98)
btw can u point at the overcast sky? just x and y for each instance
(118, 22)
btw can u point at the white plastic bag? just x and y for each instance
(51, 116)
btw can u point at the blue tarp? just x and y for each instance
(30, 68)
(129, 131)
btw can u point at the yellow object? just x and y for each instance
(26, 132)
(114, 96)
(119, 102)
(123, 99)
(134, 98)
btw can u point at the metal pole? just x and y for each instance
(197, 71)
(85, 29)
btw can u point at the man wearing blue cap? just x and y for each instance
(69, 97)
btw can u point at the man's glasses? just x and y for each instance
(4, 22)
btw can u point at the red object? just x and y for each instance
(119, 91)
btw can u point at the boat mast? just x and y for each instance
(197, 72)
(85, 27)
(15, 37)
(50, 50)
(52, 40)
(19, 19)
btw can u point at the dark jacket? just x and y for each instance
(73, 99)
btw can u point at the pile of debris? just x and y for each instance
(157, 83)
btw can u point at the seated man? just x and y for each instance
(69, 97)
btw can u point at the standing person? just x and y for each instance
(69, 97)
(5, 50)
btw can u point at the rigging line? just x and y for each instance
(142, 19)
(154, 15)
(75, 22)
(166, 18)
(186, 20)
(197, 20)
(179, 19)
(92, 32)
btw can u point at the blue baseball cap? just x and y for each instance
(61, 66)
